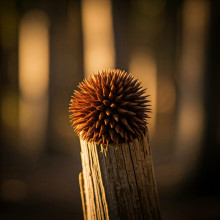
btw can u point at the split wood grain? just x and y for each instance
(120, 183)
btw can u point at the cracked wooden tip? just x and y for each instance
(111, 108)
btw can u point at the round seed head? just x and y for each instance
(110, 108)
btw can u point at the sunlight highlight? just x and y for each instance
(98, 37)
(33, 80)
(143, 66)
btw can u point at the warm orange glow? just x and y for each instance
(143, 66)
(33, 55)
(166, 95)
(98, 38)
(191, 113)
(33, 79)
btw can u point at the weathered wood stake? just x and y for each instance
(120, 183)
(110, 116)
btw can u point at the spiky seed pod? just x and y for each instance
(110, 108)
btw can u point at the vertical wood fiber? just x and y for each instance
(120, 183)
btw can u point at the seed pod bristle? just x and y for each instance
(110, 108)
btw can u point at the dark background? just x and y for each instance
(173, 47)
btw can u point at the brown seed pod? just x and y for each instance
(110, 108)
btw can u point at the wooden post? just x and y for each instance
(118, 183)
(110, 116)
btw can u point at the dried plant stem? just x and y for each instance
(120, 184)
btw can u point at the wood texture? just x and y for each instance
(118, 183)
(82, 193)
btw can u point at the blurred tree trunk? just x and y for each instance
(207, 181)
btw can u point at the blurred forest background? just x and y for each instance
(46, 49)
